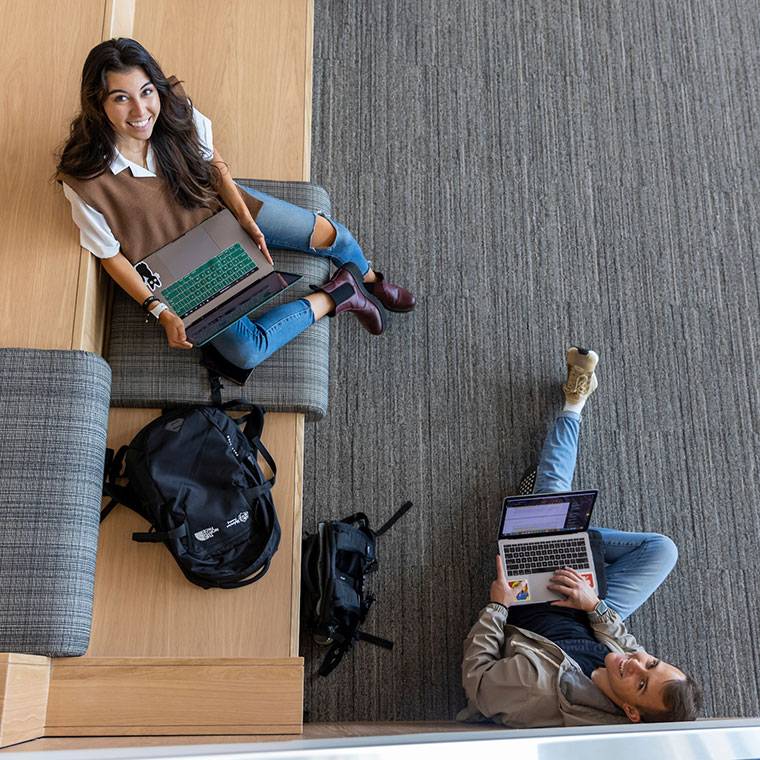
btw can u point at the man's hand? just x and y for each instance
(580, 595)
(174, 329)
(501, 593)
(258, 236)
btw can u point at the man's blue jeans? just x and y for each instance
(635, 563)
(249, 341)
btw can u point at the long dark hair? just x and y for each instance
(91, 145)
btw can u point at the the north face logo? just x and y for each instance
(175, 425)
(206, 533)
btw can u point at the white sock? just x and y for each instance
(577, 407)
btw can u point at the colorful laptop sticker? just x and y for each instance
(521, 589)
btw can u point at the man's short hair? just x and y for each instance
(683, 701)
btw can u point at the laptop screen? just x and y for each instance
(546, 514)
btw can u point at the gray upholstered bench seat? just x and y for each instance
(53, 423)
(149, 374)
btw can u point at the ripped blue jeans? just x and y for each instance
(249, 341)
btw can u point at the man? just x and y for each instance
(571, 662)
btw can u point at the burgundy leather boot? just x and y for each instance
(349, 294)
(393, 297)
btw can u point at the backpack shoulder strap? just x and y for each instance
(337, 651)
(395, 517)
(376, 640)
(357, 519)
(108, 509)
(254, 425)
(333, 657)
(215, 386)
(119, 494)
(254, 422)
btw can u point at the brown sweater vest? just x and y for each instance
(141, 211)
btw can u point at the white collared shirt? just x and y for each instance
(94, 233)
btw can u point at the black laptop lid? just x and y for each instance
(546, 514)
(253, 297)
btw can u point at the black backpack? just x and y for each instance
(334, 563)
(194, 476)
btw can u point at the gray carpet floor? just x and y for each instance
(540, 174)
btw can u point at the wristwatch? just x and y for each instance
(158, 309)
(601, 608)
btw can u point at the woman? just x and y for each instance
(139, 169)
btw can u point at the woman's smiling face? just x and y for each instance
(131, 105)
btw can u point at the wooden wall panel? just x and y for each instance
(247, 66)
(44, 45)
(24, 681)
(92, 305)
(146, 696)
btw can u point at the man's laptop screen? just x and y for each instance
(546, 514)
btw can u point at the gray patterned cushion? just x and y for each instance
(53, 417)
(147, 373)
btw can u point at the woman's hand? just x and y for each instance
(174, 329)
(580, 595)
(258, 236)
(501, 592)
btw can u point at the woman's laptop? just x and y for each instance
(212, 276)
(541, 533)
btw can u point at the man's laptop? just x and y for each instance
(212, 276)
(541, 533)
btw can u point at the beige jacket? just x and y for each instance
(523, 680)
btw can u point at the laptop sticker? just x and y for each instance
(150, 278)
(521, 589)
(588, 578)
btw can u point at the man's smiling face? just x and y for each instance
(635, 682)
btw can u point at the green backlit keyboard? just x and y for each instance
(209, 280)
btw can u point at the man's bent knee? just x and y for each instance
(667, 551)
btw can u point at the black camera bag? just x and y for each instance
(334, 602)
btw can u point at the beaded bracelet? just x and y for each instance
(147, 302)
